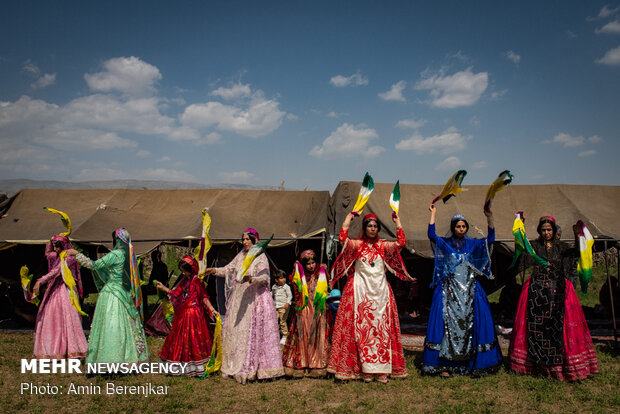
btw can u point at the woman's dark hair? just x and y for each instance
(453, 224)
(186, 266)
(366, 222)
(543, 221)
(251, 236)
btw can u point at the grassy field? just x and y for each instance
(503, 392)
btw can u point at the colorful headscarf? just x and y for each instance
(134, 275)
(251, 231)
(192, 262)
(306, 254)
(52, 260)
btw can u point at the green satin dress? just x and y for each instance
(116, 333)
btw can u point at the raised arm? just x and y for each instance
(432, 235)
(491, 225)
(344, 230)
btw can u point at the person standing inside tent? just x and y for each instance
(460, 336)
(116, 333)
(366, 338)
(306, 351)
(58, 329)
(189, 340)
(250, 334)
(550, 335)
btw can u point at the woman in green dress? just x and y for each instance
(116, 333)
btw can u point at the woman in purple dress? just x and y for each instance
(250, 334)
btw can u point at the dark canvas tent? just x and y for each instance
(595, 205)
(164, 215)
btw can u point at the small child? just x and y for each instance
(283, 298)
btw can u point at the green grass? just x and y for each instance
(503, 392)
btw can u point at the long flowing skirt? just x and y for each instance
(250, 336)
(486, 355)
(58, 330)
(306, 351)
(116, 334)
(579, 357)
(189, 340)
(349, 348)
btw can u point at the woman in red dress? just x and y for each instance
(189, 339)
(366, 339)
(550, 335)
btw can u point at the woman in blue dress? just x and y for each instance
(460, 337)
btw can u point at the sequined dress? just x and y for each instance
(460, 336)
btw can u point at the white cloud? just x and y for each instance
(213, 138)
(291, 117)
(566, 140)
(348, 141)
(410, 123)
(480, 164)
(354, 80)
(236, 177)
(604, 12)
(44, 81)
(449, 142)
(31, 68)
(333, 114)
(143, 153)
(457, 90)
(512, 56)
(595, 139)
(449, 164)
(587, 153)
(185, 133)
(610, 28)
(474, 121)
(498, 94)
(258, 118)
(129, 75)
(612, 57)
(238, 90)
(165, 158)
(396, 93)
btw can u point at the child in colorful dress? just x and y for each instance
(189, 340)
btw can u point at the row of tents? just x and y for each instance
(297, 219)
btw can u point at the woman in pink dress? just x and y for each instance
(58, 330)
(366, 339)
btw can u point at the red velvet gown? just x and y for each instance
(189, 340)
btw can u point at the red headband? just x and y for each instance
(192, 262)
(547, 218)
(370, 216)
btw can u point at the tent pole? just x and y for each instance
(323, 245)
(611, 297)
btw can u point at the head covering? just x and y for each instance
(192, 262)
(547, 218)
(71, 262)
(251, 231)
(134, 276)
(367, 219)
(307, 254)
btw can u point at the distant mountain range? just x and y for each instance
(10, 187)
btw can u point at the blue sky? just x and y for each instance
(310, 93)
